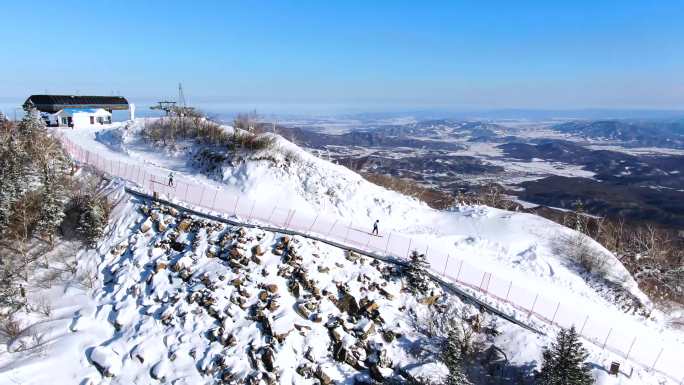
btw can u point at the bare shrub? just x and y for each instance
(577, 247)
(49, 278)
(44, 307)
(653, 255)
(251, 141)
(451, 319)
(434, 198)
(491, 195)
(246, 121)
(169, 129)
(11, 327)
(88, 278)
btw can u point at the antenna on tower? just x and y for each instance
(181, 96)
(175, 108)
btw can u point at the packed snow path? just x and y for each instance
(630, 339)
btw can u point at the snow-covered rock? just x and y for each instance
(107, 361)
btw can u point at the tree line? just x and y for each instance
(37, 189)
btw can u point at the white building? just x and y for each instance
(79, 117)
(79, 111)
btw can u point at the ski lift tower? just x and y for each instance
(165, 105)
(177, 108)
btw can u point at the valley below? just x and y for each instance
(538, 164)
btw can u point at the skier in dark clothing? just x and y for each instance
(170, 179)
(375, 227)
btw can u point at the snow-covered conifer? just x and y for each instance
(416, 273)
(12, 164)
(51, 208)
(564, 361)
(452, 358)
(32, 123)
(93, 220)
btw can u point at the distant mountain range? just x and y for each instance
(638, 132)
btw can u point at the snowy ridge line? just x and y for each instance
(631, 340)
(450, 286)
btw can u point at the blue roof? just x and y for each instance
(72, 110)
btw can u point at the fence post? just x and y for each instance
(388, 240)
(408, 250)
(606, 340)
(185, 197)
(294, 212)
(630, 348)
(459, 270)
(251, 211)
(213, 202)
(119, 169)
(287, 218)
(509, 290)
(314, 222)
(347, 234)
(201, 196)
(484, 274)
(584, 324)
(554, 313)
(272, 211)
(446, 263)
(139, 169)
(331, 228)
(657, 358)
(533, 304)
(237, 199)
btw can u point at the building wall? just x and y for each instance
(82, 119)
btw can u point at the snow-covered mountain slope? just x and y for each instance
(522, 246)
(518, 246)
(183, 300)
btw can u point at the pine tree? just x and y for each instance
(12, 170)
(32, 124)
(416, 273)
(52, 207)
(452, 358)
(564, 361)
(93, 220)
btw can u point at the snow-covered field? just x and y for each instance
(520, 247)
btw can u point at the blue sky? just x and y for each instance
(450, 54)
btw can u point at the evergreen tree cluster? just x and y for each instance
(31, 164)
(564, 361)
(416, 273)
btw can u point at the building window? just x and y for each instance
(65, 121)
(100, 120)
(92, 120)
